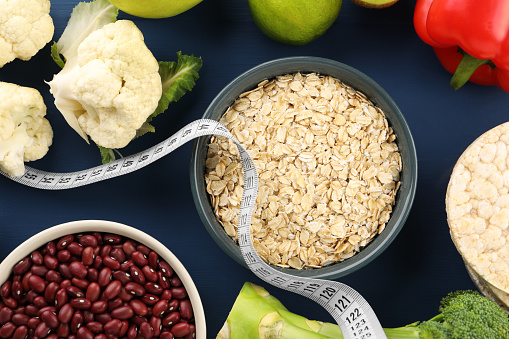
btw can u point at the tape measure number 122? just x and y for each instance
(351, 311)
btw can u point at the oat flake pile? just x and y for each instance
(328, 166)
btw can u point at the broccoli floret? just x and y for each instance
(463, 314)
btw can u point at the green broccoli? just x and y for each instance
(463, 315)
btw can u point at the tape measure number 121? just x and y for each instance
(351, 311)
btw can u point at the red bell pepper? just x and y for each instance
(469, 37)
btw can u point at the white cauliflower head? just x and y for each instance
(25, 135)
(25, 28)
(110, 87)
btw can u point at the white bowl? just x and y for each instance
(73, 227)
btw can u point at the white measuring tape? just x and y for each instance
(351, 311)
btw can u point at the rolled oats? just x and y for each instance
(328, 167)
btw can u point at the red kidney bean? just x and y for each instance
(153, 288)
(105, 250)
(146, 330)
(98, 262)
(137, 275)
(78, 269)
(65, 283)
(42, 330)
(136, 319)
(92, 274)
(88, 256)
(175, 281)
(20, 333)
(99, 306)
(84, 333)
(22, 266)
(88, 241)
(51, 248)
(165, 269)
(75, 292)
(93, 292)
(124, 328)
(104, 277)
(192, 332)
(112, 239)
(143, 249)
(124, 295)
(54, 276)
(150, 299)
(139, 258)
(80, 283)
(36, 258)
(5, 315)
(122, 276)
(155, 322)
(150, 273)
(173, 304)
(40, 302)
(50, 319)
(113, 327)
(122, 312)
(153, 260)
(24, 282)
(166, 295)
(111, 263)
(47, 308)
(180, 329)
(39, 270)
(16, 290)
(186, 310)
(61, 298)
(76, 321)
(81, 303)
(50, 262)
(64, 241)
(65, 314)
(135, 289)
(138, 307)
(34, 322)
(31, 310)
(118, 254)
(51, 292)
(63, 256)
(178, 292)
(112, 304)
(64, 270)
(126, 265)
(7, 330)
(37, 283)
(5, 291)
(171, 319)
(112, 290)
(75, 248)
(10, 302)
(132, 332)
(95, 326)
(166, 335)
(163, 281)
(128, 247)
(63, 330)
(103, 318)
(20, 319)
(160, 308)
(98, 236)
(88, 316)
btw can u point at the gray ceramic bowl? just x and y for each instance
(356, 80)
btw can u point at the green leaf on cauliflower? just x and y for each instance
(86, 17)
(177, 78)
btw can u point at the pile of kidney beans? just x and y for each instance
(95, 286)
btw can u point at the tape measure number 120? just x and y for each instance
(351, 311)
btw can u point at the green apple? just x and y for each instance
(154, 8)
(375, 3)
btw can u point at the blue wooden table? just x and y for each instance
(402, 285)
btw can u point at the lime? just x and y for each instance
(294, 22)
(154, 8)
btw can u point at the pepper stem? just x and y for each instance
(465, 69)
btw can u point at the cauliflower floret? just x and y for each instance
(25, 28)
(111, 88)
(25, 135)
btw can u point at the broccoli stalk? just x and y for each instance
(463, 315)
